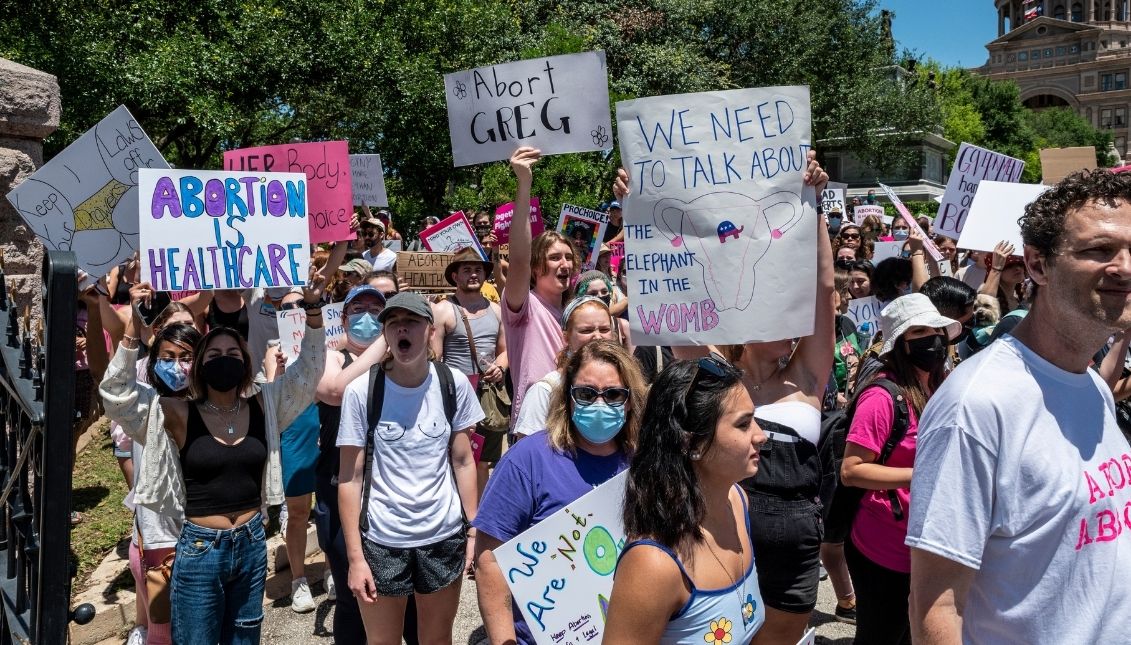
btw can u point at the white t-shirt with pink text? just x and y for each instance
(1022, 474)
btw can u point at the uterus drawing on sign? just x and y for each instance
(728, 234)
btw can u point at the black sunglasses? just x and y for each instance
(850, 236)
(584, 395)
(714, 364)
(290, 306)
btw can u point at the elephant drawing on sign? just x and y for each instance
(728, 234)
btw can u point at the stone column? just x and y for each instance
(1090, 11)
(29, 112)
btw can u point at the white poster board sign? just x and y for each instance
(971, 166)
(292, 329)
(884, 250)
(832, 197)
(860, 212)
(720, 233)
(560, 571)
(214, 229)
(85, 199)
(865, 312)
(368, 180)
(556, 104)
(586, 229)
(994, 214)
(451, 235)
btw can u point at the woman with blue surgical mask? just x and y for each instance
(360, 309)
(590, 437)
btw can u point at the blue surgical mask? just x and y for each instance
(364, 328)
(598, 422)
(172, 373)
(900, 233)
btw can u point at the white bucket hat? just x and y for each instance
(913, 310)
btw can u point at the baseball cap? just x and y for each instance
(357, 265)
(373, 221)
(362, 290)
(614, 204)
(414, 303)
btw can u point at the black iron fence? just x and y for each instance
(37, 394)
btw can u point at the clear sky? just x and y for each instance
(953, 32)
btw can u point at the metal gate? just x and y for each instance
(37, 415)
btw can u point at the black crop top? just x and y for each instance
(223, 479)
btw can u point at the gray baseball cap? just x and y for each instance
(413, 303)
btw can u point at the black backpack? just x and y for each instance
(373, 407)
(841, 502)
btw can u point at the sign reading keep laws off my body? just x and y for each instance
(720, 233)
(557, 104)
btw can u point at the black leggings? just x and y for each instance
(881, 600)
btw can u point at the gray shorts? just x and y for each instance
(423, 569)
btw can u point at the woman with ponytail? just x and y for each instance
(687, 574)
(590, 436)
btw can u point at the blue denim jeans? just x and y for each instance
(217, 584)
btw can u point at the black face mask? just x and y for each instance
(223, 373)
(927, 353)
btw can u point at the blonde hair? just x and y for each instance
(563, 355)
(559, 423)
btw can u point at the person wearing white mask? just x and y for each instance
(590, 437)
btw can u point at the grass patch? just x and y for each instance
(97, 491)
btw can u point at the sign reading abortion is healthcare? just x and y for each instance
(203, 229)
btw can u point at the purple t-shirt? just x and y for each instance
(532, 482)
(534, 338)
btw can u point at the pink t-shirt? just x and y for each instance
(534, 338)
(875, 532)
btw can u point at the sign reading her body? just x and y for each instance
(368, 180)
(326, 165)
(85, 200)
(720, 233)
(558, 104)
(971, 166)
(207, 229)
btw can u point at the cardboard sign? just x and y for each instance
(209, 229)
(560, 571)
(367, 179)
(865, 312)
(556, 104)
(971, 166)
(85, 199)
(720, 233)
(424, 271)
(503, 252)
(860, 212)
(585, 228)
(994, 214)
(502, 225)
(326, 165)
(913, 223)
(451, 235)
(1058, 163)
(832, 197)
(292, 329)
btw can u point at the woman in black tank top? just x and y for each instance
(226, 445)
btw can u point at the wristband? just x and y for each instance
(993, 268)
(311, 306)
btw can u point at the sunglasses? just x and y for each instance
(850, 236)
(714, 364)
(290, 306)
(584, 395)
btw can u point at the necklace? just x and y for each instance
(222, 411)
(758, 386)
(746, 608)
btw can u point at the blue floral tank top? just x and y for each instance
(731, 615)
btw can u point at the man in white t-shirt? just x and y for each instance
(372, 230)
(1022, 485)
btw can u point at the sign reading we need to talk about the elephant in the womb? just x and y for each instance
(720, 231)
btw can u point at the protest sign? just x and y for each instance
(556, 104)
(450, 235)
(617, 256)
(832, 197)
(809, 637)
(424, 271)
(326, 165)
(210, 229)
(503, 252)
(994, 214)
(585, 228)
(85, 200)
(865, 312)
(971, 166)
(367, 179)
(720, 233)
(884, 250)
(1058, 163)
(560, 571)
(913, 223)
(292, 329)
(502, 226)
(860, 212)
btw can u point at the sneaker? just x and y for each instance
(846, 614)
(301, 600)
(138, 635)
(331, 590)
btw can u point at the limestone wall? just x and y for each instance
(29, 112)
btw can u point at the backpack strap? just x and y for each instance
(899, 427)
(373, 407)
